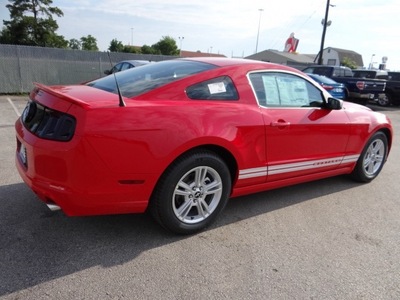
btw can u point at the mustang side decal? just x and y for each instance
(293, 167)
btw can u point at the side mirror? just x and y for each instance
(107, 72)
(334, 103)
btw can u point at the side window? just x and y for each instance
(324, 71)
(125, 66)
(348, 73)
(116, 68)
(285, 90)
(308, 70)
(338, 72)
(220, 88)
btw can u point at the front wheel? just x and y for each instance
(191, 193)
(372, 158)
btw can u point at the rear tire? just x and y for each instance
(372, 158)
(385, 101)
(191, 193)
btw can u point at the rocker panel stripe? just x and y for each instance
(293, 167)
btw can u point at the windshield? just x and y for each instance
(143, 79)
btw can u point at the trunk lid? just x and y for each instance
(81, 95)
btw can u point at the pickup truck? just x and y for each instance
(367, 74)
(359, 90)
(393, 88)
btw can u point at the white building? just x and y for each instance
(334, 57)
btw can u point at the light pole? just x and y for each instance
(181, 38)
(131, 36)
(371, 64)
(325, 23)
(258, 30)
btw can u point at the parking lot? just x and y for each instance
(329, 239)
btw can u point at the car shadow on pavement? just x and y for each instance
(264, 202)
(383, 109)
(38, 245)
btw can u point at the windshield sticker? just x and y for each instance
(216, 88)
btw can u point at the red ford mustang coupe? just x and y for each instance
(179, 137)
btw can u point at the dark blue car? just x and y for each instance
(337, 90)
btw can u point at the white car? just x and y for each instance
(125, 65)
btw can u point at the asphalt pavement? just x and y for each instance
(329, 239)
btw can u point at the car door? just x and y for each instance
(302, 137)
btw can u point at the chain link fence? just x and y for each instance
(20, 66)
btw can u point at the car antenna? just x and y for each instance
(121, 100)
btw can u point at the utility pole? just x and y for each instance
(325, 24)
(181, 38)
(258, 30)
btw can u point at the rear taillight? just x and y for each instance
(327, 87)
(47, 123)
(360, 85)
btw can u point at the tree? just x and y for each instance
(55, 41)
(166, 46)
(145, 49)
(74, 44)
(116, 46)
(347, 62)
(89, 43)
(32, 23)
(130, 49)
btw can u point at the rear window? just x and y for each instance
(364, 74)
(370, 74)
(138, 81)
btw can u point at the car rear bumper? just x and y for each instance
(78, 184)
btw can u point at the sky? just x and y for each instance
(231, 28)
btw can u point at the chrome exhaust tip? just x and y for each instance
(53, 207)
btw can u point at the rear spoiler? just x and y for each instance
(61, 95)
